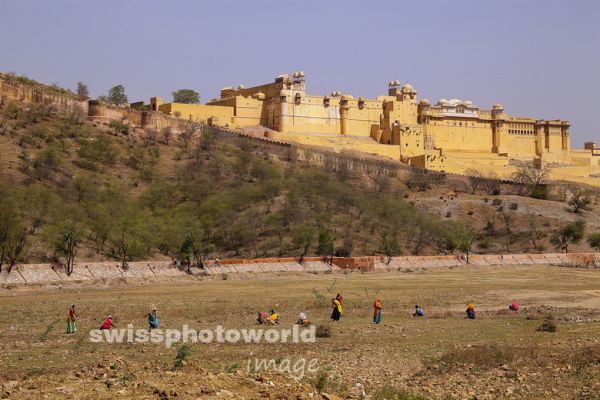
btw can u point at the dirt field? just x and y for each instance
(499, 355)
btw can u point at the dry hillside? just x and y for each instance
(129, 194)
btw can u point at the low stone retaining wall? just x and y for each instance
(591, 260)
(50, 273)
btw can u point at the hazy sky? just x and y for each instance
(539, 58)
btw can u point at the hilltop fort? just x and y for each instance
(449, 135)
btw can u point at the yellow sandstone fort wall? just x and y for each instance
(450, 135)
(199, 112)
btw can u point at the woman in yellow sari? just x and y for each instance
(336, 305)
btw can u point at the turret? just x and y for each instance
(344, 108)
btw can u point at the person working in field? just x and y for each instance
(303, 319)
(262, 317)
(514, 306)
(108, 323)
(419, 312)
(336, 313)
(71, 326)
(470, 311)
(273, 317)
(377, 311)
(152, 318)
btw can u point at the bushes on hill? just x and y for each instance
(236, 198)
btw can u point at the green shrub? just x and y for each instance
(548, 325)
(539, 192)
(230, 369)
(98, 149)
(119, 127)
(321, 382)
(182, 353)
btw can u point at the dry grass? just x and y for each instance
(357, 350)
(485, 356)
(441, 315)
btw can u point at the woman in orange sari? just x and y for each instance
(377, 311)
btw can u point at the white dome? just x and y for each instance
(442, 101)
(407, 86)
(468, 103)
(301, 74)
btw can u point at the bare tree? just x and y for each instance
(388, 245)
(15, 246)
(533, 228)
(475, 179)
(66, 245)
(507, 215)
(489, 215)
(167, 133)
(532, 178)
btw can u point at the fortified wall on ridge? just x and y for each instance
(449, 135)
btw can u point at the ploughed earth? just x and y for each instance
(500, 354)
